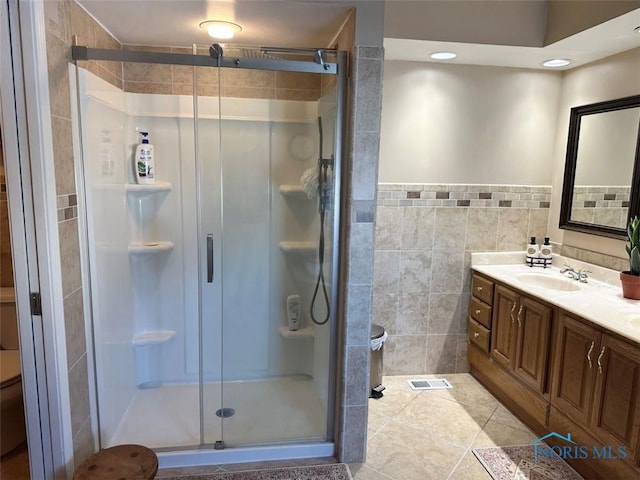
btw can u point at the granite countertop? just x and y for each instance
(600, 300)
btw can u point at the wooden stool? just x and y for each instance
(122, 462)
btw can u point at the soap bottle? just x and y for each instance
(532, 248)
(145, 167)
(293, 312)
(546, 249)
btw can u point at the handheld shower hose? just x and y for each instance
(323, 200)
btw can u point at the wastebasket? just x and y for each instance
(378, 337)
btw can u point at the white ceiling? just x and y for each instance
(283, 23)
(606, 39)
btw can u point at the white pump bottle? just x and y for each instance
(144, 164)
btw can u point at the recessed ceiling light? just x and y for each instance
(637, 29)
(220, 29)
(443, 55)
(556, 62)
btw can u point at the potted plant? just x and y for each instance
(631, 279)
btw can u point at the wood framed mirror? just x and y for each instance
(601, 189)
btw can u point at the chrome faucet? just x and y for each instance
(580, 275)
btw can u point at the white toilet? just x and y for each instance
(12, 427)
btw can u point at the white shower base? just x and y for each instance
(274, 410)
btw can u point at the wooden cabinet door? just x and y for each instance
(576, 350)
(504, 326)
(532, 345)
(616, 410)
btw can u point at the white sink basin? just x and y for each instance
(550, 283)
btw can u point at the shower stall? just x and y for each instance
(191, 277)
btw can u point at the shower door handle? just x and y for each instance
(209, 258)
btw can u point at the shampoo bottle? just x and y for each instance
(532, 248)
(145, 167)
(546, 249)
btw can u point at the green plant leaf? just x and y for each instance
(635, 261)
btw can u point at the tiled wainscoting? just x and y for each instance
(601, 205)
(423, 242)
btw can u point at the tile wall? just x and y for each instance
(64, 20)
(358, 226)
(176, 79)
(423, 242)
(601, 205)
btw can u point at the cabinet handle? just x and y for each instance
(479, 289)
(477, 312)
(599, 359)
(476, 334)
(589, 354)
(520, 313)
(513, 309)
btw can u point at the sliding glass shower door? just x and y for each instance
(213, 290)
(262, 224)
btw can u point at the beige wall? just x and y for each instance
(467, 124)
(566, 18)
(64, 20)
(613, 77)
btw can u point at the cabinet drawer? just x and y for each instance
(480, 312)
(482, 289)
(478, 335)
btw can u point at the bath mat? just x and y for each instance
(518, 463)
(334, 471)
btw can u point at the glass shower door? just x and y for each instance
(267, 203)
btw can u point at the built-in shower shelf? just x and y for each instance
(305, 249)
(306, 332)
(144, 248)
(140, 189)
(152, 338)
(293, 191)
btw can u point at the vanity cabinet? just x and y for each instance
(574, 375)
(520, 336)
(559, 372)
(597, 382)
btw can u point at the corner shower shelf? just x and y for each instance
(305, 249)
(140, 189)
(293, 191)
(142, 248)
(306, 332)
(152, 338)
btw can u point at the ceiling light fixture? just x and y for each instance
(220, 29)
(443, 55)
(556, 62)
(637, 29)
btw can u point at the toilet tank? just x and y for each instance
(8, 319)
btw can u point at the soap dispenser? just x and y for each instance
(546, 249)
(532, 249)
(145, 168)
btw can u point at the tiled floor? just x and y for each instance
(429, 435)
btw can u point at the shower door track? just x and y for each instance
(79, 53)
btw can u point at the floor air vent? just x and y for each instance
(430, 384)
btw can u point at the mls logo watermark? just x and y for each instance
(574, 451)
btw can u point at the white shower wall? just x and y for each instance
(265, 144)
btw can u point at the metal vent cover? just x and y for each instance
(430, 384)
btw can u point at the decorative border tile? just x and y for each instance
(454, 195)
(67, 207)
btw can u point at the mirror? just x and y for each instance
(601, 177)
